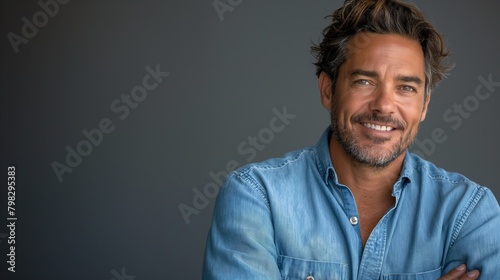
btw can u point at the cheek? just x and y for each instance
(345, 111)
(354, 107)
(411, 109)
(412, 118)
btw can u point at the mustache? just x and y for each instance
(380, 119)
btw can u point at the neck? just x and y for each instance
(370, 186)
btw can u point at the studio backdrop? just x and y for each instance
(120, 119)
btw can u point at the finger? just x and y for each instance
(455, 273)
(471, 275)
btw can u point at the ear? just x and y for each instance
(325, 89)
(426, 105)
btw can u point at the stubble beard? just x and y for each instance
(372, 155)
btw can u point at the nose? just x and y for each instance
(382, 100)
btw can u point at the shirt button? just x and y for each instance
(353, 220)
(309, 278)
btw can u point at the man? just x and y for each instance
(358, 205)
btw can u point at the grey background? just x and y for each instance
(119, 207)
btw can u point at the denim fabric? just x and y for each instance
(289, 218)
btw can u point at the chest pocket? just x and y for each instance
(298, 269)
(428, 275)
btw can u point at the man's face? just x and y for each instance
(378, 100)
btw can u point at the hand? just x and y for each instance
(459, 273)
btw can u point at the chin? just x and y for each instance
(377, 160)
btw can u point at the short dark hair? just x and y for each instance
(382, 17)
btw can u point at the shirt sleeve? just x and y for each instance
(477, 236)
(240, 243)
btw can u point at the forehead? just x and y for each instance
(385, 52)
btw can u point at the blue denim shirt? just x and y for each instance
(289, 218)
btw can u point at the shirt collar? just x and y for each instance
(323, 159)
(326, 169)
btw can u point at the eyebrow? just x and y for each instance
(410, 79)
(373, 74)
(359, 72)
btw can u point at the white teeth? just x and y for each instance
(378, 127)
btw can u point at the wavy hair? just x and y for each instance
(382, 17)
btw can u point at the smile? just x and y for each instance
(378, 127)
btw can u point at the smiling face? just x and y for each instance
(378, 100)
